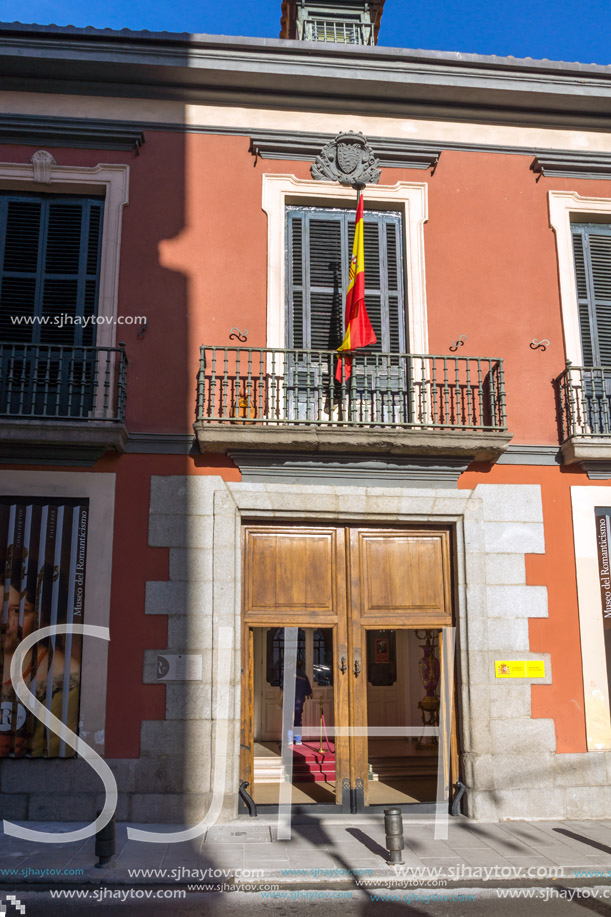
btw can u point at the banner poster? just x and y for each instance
(43, 548)
(603, 538)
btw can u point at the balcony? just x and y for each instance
(401, 404)
(585, 414)
(338, 31)
(61, 403)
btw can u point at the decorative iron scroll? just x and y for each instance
(348, 160)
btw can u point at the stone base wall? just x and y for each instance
(159, 789)
(539, 785)
(155, 788)
(508, 759)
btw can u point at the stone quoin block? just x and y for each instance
(511, 502)
(505, 569)
(523, 737)
(517, 601)
(514, 537)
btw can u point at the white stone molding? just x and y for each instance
(111, 180)
(409, 198)
(100, 490)
(595, 684)
(199, 517)
(562, 206)
(42, 163)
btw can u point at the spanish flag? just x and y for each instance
(359, 332)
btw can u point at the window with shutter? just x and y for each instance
(319, 246)
(49, 266)
(50, 248)
(592, 248)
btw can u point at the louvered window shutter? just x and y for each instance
(49, 266)
(592, 248)
(319, 247)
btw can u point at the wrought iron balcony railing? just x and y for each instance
(585, 401)
(266, 386)
(60, 382)
(338, 31)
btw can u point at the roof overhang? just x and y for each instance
(274, 73)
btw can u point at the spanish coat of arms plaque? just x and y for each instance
(348, 160)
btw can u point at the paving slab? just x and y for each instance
(444, 862)
(482, 857)
(528, 834)
(563, 856)
(300, 858)
(429, 847)
(226, 834)
(530, 862)
(463, 839)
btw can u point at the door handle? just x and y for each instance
(357, 663)
(342, 665)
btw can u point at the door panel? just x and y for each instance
(290, 571)
(402, 574)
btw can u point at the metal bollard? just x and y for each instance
(460, 792)
(393, 828)
(105, 844)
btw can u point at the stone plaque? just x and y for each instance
(179, 668)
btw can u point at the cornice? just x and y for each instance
(300, 145)
(126, 38)
(573, 165)
(69, 132)
(308, 76)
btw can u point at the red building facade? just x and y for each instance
(229, 489)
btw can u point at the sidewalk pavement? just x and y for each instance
(321, 852)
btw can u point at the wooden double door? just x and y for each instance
(348, 580)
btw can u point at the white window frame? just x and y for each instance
(99, 489)
(107, 179)
(409, 198)
(584, 501)
(563, 205)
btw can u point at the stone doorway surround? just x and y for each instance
(507, 758)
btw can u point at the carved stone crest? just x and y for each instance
(42, 163)
(349, 160)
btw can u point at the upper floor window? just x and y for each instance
(592, 248)
(319, 247)
(50, 249)
(50, 253)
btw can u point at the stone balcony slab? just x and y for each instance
(244, 436)
(59, 441)
(577, 449)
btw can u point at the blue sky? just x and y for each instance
(567, 30)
